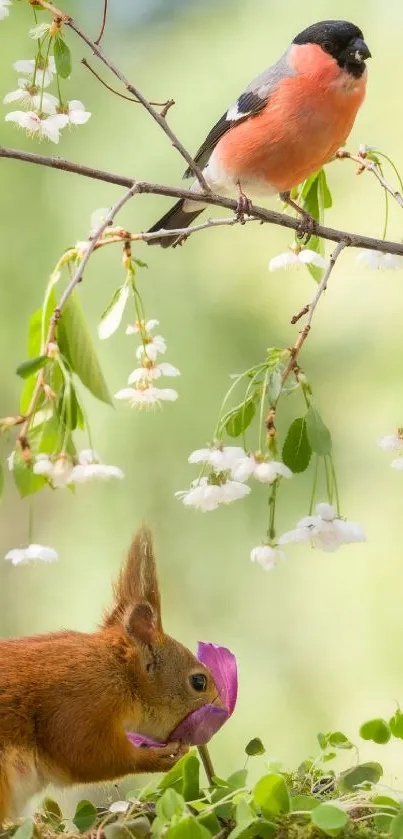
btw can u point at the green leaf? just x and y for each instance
(62, 55)
(25, 831)
(396, 724)
(386, 809)
(327, 195)
(339, 740)
(297, 449)
(26, 482)
(175, 778)
(111, 317)
(238, 420)
(170, 804)
(76, 345)
(255, 747)
(271, 795)
(188, 828)
(304, 802)
(274, 385)
(376, 730)
(51, 808)
(330, 818)
(191, 772)
(238, 779)
(322, 740)
(318, 434)
(84, 816)
(210, 822)
(363, 773)
(328, 756)
(31, 366)
(396, 827)
(256, 827)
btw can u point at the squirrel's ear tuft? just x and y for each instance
(137, 586)
(141, 623)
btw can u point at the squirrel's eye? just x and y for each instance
(327, 46)
(199, 682)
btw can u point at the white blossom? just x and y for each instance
(30, 97)
(43, 76)
(304, 257)
(145, 396)
(153, 346)
(148, 326)
(22, 556)
(4, 8)
(207, 496)
(325, 530)
(265, 471)
(57, 472)
(141, 374)
(48, 127)
(266, 556)
(221, 458)
(380, 261)
(391, 442)
(89, 466)
(76, 113)
(11, 461)
(397, 463)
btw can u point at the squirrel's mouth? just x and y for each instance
(200, 725)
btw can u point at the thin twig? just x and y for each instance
(159, 118)
(76, 278)
(370, 166)
(164, 105)
(309, 310)
(353, 240)
(103, 24)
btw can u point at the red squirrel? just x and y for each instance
(68, 699)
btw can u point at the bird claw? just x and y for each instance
(243, 207)
(307, 227)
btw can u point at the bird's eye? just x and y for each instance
(199, 682)
(327, 46)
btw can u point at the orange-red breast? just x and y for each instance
(287, 123)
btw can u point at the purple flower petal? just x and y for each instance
(222, 664)
(200, 725)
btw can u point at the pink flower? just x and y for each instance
(200, 726)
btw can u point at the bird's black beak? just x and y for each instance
(358, 51)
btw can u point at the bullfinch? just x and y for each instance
(286, 124)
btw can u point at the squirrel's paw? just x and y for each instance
(161, 758)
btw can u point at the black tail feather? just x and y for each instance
(174, 219)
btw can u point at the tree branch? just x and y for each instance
(159, 118)
(76, 278)
(309, 310)
(353, 240)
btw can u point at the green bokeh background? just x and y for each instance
(319, 640)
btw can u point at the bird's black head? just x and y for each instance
(341, 39)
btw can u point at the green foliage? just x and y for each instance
(318, 434)
(297, 449)
(31, 366)
(77, 347)
(84, 816)
(315, 198)
(377, 730)
(303, 804)
(62, 56)
(238, 420)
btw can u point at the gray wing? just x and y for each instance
(251, 101)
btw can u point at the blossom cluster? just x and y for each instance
(43, 114)
(229, 469)
(142, 391)
(393, 443)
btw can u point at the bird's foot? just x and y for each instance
(244, 205)
(308, 225)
